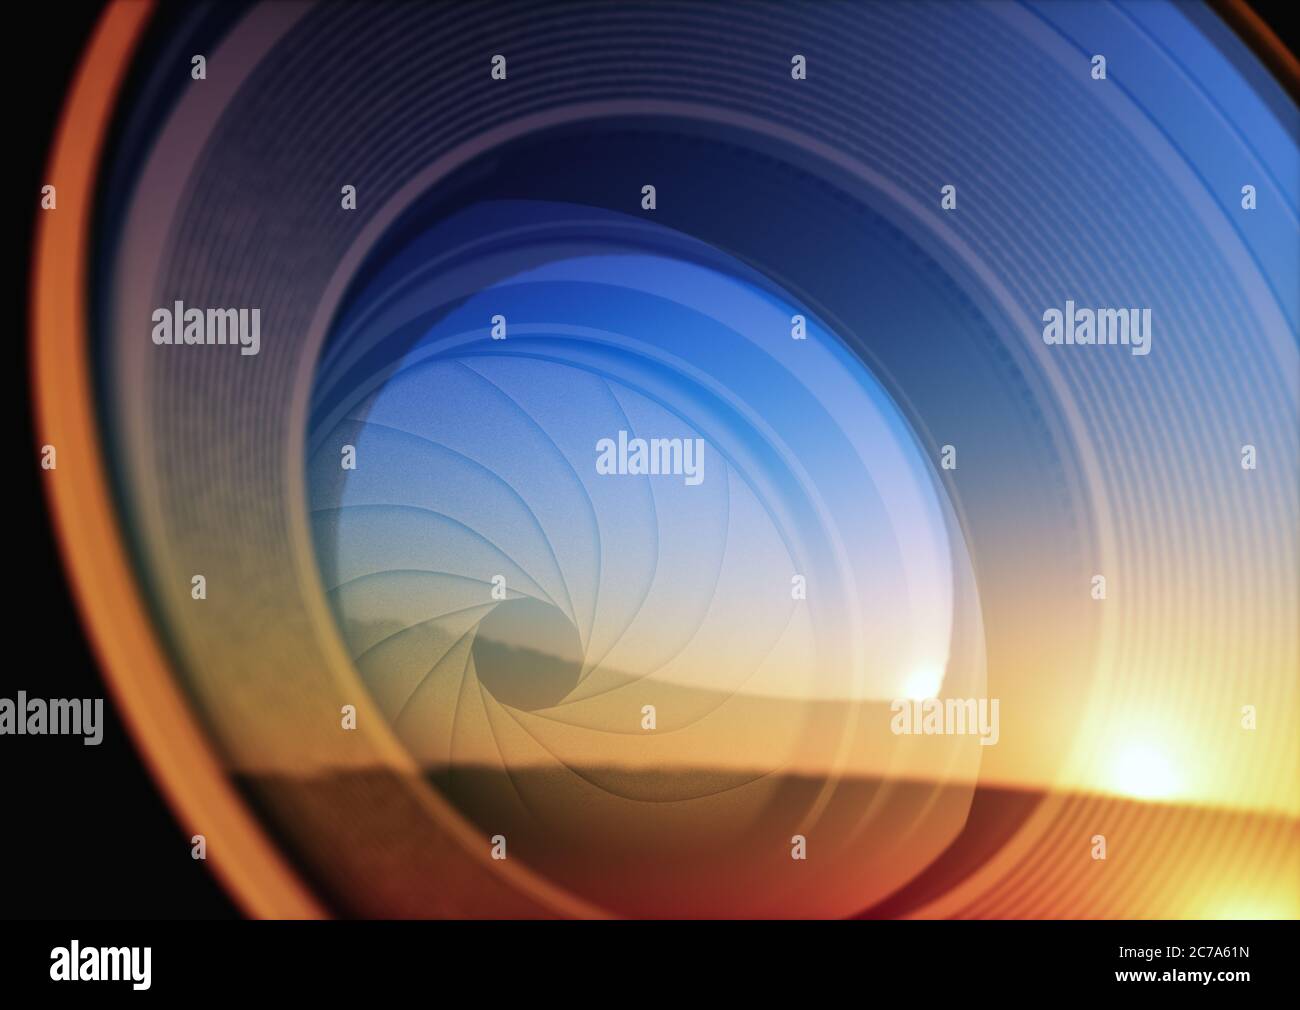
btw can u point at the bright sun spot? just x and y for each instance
(1142, 771)
(924, 682)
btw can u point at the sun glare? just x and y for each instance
(1144, 772)
(923, 682)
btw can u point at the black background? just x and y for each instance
(84, 832)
